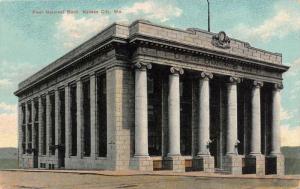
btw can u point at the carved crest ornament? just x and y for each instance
(221, 40)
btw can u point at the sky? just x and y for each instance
(35, 33)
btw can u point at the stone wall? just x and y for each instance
(120, 111)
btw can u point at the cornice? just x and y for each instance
(140, 39)
(102, 47)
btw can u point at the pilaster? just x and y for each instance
(79, 118)
(48, 124)
(93, 92)
(67, 122)
(57, 120)
(33, 130)
(41, 125)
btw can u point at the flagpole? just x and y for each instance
(208, 16)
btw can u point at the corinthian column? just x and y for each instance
(276, 143)
(141, 110)
(174, 111)
(232, 139)
(256, 119)
(204, 114)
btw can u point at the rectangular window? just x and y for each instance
(36, 125)
(101, 115)
(29, 112)
(62, 115)
(44, 120)
(86, 118)
(24, 114)
(29, 127)
(36, 107)
(154, 84)
(186, 116)
(52, 116)
(30, 137)
(73, 120)
(23, 130)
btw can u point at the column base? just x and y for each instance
(142, 163)
(205, 163)
(274, 164)
(233, 164)
(175, 163)
(254, 164)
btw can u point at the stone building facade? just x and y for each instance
(150, 97)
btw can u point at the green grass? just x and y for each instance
(8, 164)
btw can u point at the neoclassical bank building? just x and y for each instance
(149, 97)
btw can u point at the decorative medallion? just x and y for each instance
(221, 40)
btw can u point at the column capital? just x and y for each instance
(278, 86)
(234, 80)
(176, 70)
(206, 75)
(258, 84)
(142, 66)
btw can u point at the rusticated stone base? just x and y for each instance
(233, 164)
(275, 164)
(280, 164)
(255, 164)
(175, 163)
(204, 163)
(142, 163)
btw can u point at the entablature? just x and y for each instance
(198, 61)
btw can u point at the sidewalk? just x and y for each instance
(158, 173)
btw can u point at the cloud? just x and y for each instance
(8, 130)
(8, 108)
(10, 72)
(8, 125)
(284, 22)
(73, 31)
(294, 69)
(153, 10)
(4, 83)
(284, 114)
(290, 135)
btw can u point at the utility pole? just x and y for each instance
(208, 16)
